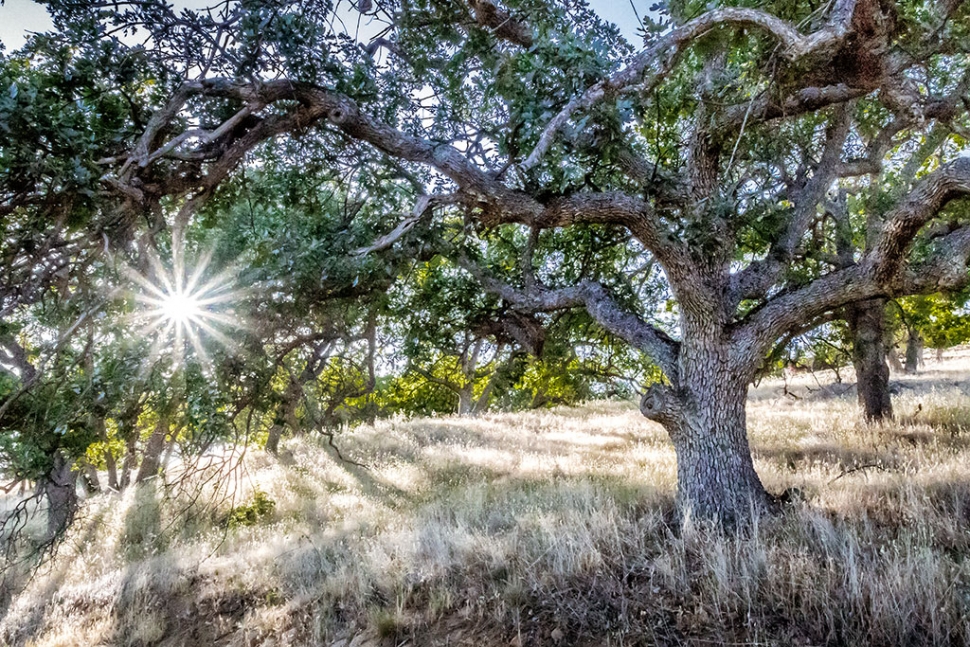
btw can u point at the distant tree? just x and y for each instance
(936, 320)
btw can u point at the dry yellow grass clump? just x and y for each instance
(542, 528)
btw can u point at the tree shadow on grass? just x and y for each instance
(29, 625)
(843, 458)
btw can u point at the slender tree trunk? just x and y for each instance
(273, 439)
(466, 400)
(60, 486)
(91, 478)
(109, 460)
(892, 357)
(151, 457)
(914, 352)
(112, 467)
(128, 462)
(481, 404)
(867, 327)
(128, 430)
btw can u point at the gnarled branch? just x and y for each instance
(649, 67)
(592, 296)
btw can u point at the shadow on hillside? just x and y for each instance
(32, 622)
(796, 458)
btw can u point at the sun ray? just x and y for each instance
(182, 308)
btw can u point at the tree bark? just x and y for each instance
(273, 439)
(60, 487)
(151, 457)
(914, 352)
(705, 418)
(867, 327)
(466, 400)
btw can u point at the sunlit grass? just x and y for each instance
(543, 528)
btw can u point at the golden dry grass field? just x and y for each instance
(541, 528)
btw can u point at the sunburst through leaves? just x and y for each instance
(184, 309)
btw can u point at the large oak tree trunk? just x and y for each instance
(716, 479)
(867, 326)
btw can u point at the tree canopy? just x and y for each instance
(450, 181)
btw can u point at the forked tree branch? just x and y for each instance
(648, 68)
(881, 272)
(595, 299)
(756, 279)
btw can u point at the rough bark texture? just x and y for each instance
(151, 457)
(60, 487)
(868, 329)
(705, 418)
(914, 352)
(715, 473)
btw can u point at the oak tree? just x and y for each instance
(716, 150)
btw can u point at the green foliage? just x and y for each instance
(258, 508)
(941, 320)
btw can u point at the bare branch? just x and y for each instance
(422, 206)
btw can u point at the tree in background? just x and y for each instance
(936, 320)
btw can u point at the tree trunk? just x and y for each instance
(91, 478)
(151, 457)
(466, 400)
(867, 327)
(128, 462)
(112, 467)
(273, 439)
(109, 459)
(705, 418)
(914, 352)
(60, 487)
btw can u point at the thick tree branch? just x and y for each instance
(926, 199)
(501, 23)
(648, 68)
(800, 102)
(882, 271)
(755, 280)
(945, 270)
(592, 296)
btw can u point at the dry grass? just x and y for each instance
(544, 528)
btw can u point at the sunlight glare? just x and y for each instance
(180, 308)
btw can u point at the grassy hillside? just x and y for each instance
(543, 528)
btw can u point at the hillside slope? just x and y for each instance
(541, 528)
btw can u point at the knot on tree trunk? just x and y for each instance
(661, 404)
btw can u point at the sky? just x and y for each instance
(17, 17)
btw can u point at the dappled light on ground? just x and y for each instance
(540, 528)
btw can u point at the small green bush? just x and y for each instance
(251, 513)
